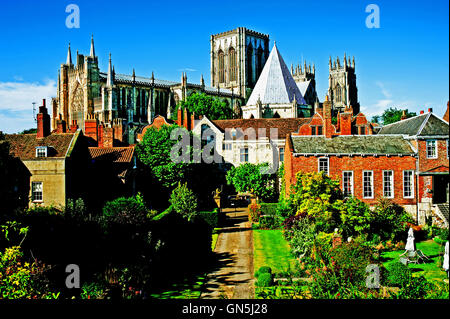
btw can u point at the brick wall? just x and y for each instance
(357, 164)
(427, 164)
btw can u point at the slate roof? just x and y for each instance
(422, 125)
(284, 125)
(352, 144)
(275, 84)
(112, 154)
(303, 86)
(24, 146)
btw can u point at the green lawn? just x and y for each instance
(271, 249)
(431, 270)
(215, 235)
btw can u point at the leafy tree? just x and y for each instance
(123, 210)
(376, 119)
(183, 201)
(392, 115)
(154, 151)
(29, 131)
(355, 216)
(202, 104)
(249, 178)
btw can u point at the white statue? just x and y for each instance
(410, 241)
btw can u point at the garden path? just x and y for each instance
(233, 276)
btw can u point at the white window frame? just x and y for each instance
(435, 148)
(227, 146)
(328, 165)
(372, 190)
(41, 151)
(352, 184)
(391, 181)
(411, 182)
(243, 151)
(33, 192)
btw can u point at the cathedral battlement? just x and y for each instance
(240, 29)
(346, 64)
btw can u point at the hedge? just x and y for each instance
(210, 217)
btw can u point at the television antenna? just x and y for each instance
(34, 111)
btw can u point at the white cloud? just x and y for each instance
(187, 70)
(16, 108)
(384, 91)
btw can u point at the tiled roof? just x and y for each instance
(112, 154)
(422, 125)
(275, 84)
(284, 125)
(24, 145)
(352, 144)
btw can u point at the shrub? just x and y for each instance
(183, 201)
(254, 211)
(442, 233)
(263, 270)
(211, 218)
(415, 288)
(75, 208)
(123, 210)
(269, 208)
(398, 274)
(163, 214)
(355, 217)
(284, 209)
(301, 238)
(390, 220)
(269, 222)
(265, 280)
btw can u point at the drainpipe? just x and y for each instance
(417, 186)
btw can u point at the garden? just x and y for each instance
(316, 243)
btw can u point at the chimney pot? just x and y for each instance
(430, 110)
(421, 112)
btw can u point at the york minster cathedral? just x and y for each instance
(249, 75)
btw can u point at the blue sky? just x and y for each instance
(404, 63)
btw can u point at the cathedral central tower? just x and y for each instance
(237, 59)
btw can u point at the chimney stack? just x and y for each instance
(403, 116)
(430, 110)
(328, 126)
(43, 121)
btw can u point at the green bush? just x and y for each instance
(389, 220)
(263, 270)
(269, 208)
(184, 201)
(269, 222)
(211, 218)
(123, 210)
(442, 233)
(265, 280)
(398, 274)
(284, 209)
(163, 214)
(415, 288)
(355, 217)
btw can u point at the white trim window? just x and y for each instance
(41, 151)
(432, 151)
(408, 184)
(367, 184)
(323, 165)
(227, 146)
(388, 184)
(347, 183)
(37, 192)
(243, 152)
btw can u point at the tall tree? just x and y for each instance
(202, 104)
(392, 115)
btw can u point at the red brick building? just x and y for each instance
(406, 161)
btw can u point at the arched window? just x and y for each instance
(221, 67)
(232, 64)
(250, 65)
(338, 93)
(259, 62)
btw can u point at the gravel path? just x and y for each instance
(233, 276)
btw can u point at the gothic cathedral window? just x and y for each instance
(250, 65)
(221, 67)
(232, 63)
(338, 93)
(259, 63)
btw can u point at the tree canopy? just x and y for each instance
(248, 178)
(392, 115)
(202, 104)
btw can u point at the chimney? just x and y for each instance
(106, 136)
(60, 125)
(73, 126)
(186, 119)
(179, 117)
(422, 112)
(91, 127)
(403, 116)
(430, 110)
(118, 130)
(328, 126)
(345, 123)
(43, 121)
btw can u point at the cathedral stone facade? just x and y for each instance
(125, 102)
(237, 59)
(342, 88)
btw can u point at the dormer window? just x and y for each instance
(41, 151)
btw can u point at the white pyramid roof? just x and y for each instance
(275, 84)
